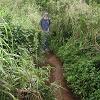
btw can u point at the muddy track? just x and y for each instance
(62, 92)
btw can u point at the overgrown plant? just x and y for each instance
(17, 69)
(75, 27)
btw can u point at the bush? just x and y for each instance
(76, 28)
(82, 70)
(18, 47)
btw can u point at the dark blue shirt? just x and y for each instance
(45, 23)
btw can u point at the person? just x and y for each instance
(45, 24)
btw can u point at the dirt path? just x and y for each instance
(61, 92)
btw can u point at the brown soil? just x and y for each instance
(62, 92)
(25, 94)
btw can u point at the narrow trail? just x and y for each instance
(62, 92)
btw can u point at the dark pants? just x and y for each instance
(45, 37)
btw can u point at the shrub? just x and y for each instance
(81, 70)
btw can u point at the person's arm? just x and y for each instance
(40, 23)
(49, 21)
(49, 24)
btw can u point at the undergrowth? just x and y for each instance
(75, 25)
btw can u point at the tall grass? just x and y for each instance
(76, 31)
(17, 69)
(21, 12)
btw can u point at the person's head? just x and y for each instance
(45, 15)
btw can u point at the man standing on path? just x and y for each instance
(45, 24)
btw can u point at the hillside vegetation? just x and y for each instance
(75, 25)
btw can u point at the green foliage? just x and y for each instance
(80, 70)
(42, 3)
(18, 46)
(76, 39)
(82, 50)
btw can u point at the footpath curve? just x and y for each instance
(62, 91)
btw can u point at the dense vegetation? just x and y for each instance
(76, 40)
